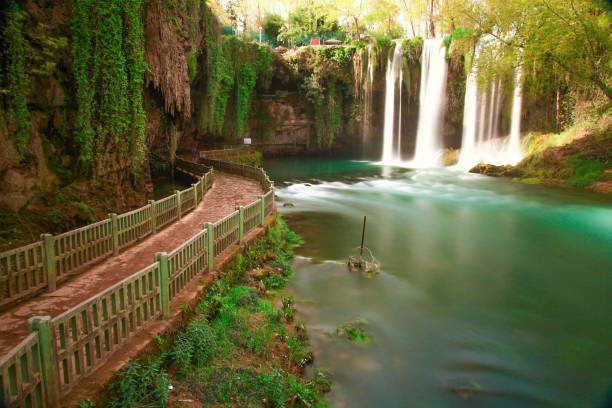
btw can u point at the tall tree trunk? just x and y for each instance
(412, 26)
(357, 28)
(432, 27)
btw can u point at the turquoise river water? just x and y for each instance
(491, 293)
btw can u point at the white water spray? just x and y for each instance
(514, 148)
(480, 142)
(393, 74)
(367, 111)
(431, 104)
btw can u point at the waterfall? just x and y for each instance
(481, 142)
(393, 73)
(492, 99)
(468, 143)
(398, 156)
(431, 103)
(514, 148)
(367, 105)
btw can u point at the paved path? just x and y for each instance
(221, 200)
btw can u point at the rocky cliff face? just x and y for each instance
(90, 86)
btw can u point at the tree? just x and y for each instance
(570, 35)
(310, 17)
(352, 10)
(382, 17)
(272, 23)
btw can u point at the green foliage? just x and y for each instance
(316, 19)
(245, 82)
(234, 68)
(355, 331)
(86, 404)
(549, 38)
(585, 171)
(288, 308)
(228, 355)
(459, 33)
(299, 351)
(109, 67)
(249, 158)
(383, 41)
(196, 346)
(82, 53)
(272, 23)
(275, 282)
(192, 65)
(16, 81)
(140, 384)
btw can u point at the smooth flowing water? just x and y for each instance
(431, 106)
(392, 136)
(491, 294)
(481, 116)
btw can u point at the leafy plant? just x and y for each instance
(140, 384)
(275, 282)
(16, 77)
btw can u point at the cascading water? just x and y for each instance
(367, 108)
(480, 142)
(391, 154)
(514, 148)
(468, 143)
(431, 105)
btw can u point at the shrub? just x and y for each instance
(139, 385)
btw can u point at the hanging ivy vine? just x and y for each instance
(16, 80)
(244, 88)
(234, 68)
(109, 67)
(82, 58)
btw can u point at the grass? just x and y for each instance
(538, 142)
(580, 157)
(238, 350)
(585, 171)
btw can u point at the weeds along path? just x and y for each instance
(221, 200)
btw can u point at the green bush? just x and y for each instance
(140, 385)
(275, 282)
(195, 347)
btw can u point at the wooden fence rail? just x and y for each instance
(61, 351)
(34, 268)
(22, 273)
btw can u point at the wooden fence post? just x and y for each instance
(210, 244)
(195, 195)
(115, 229)
(153, 216)
(49, 261)
(178, 202)
(240, 224)
(48, 358)
(262, 210)
(164, 285)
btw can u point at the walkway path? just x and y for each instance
(221, 200)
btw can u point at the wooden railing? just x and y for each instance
(22, 272)
(61, 351)
(32, 269)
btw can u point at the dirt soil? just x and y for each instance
(226, 193)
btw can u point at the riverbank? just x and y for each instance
(240, 345)
(581, 157)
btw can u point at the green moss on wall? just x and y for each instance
(15, 81)
(109, 67)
